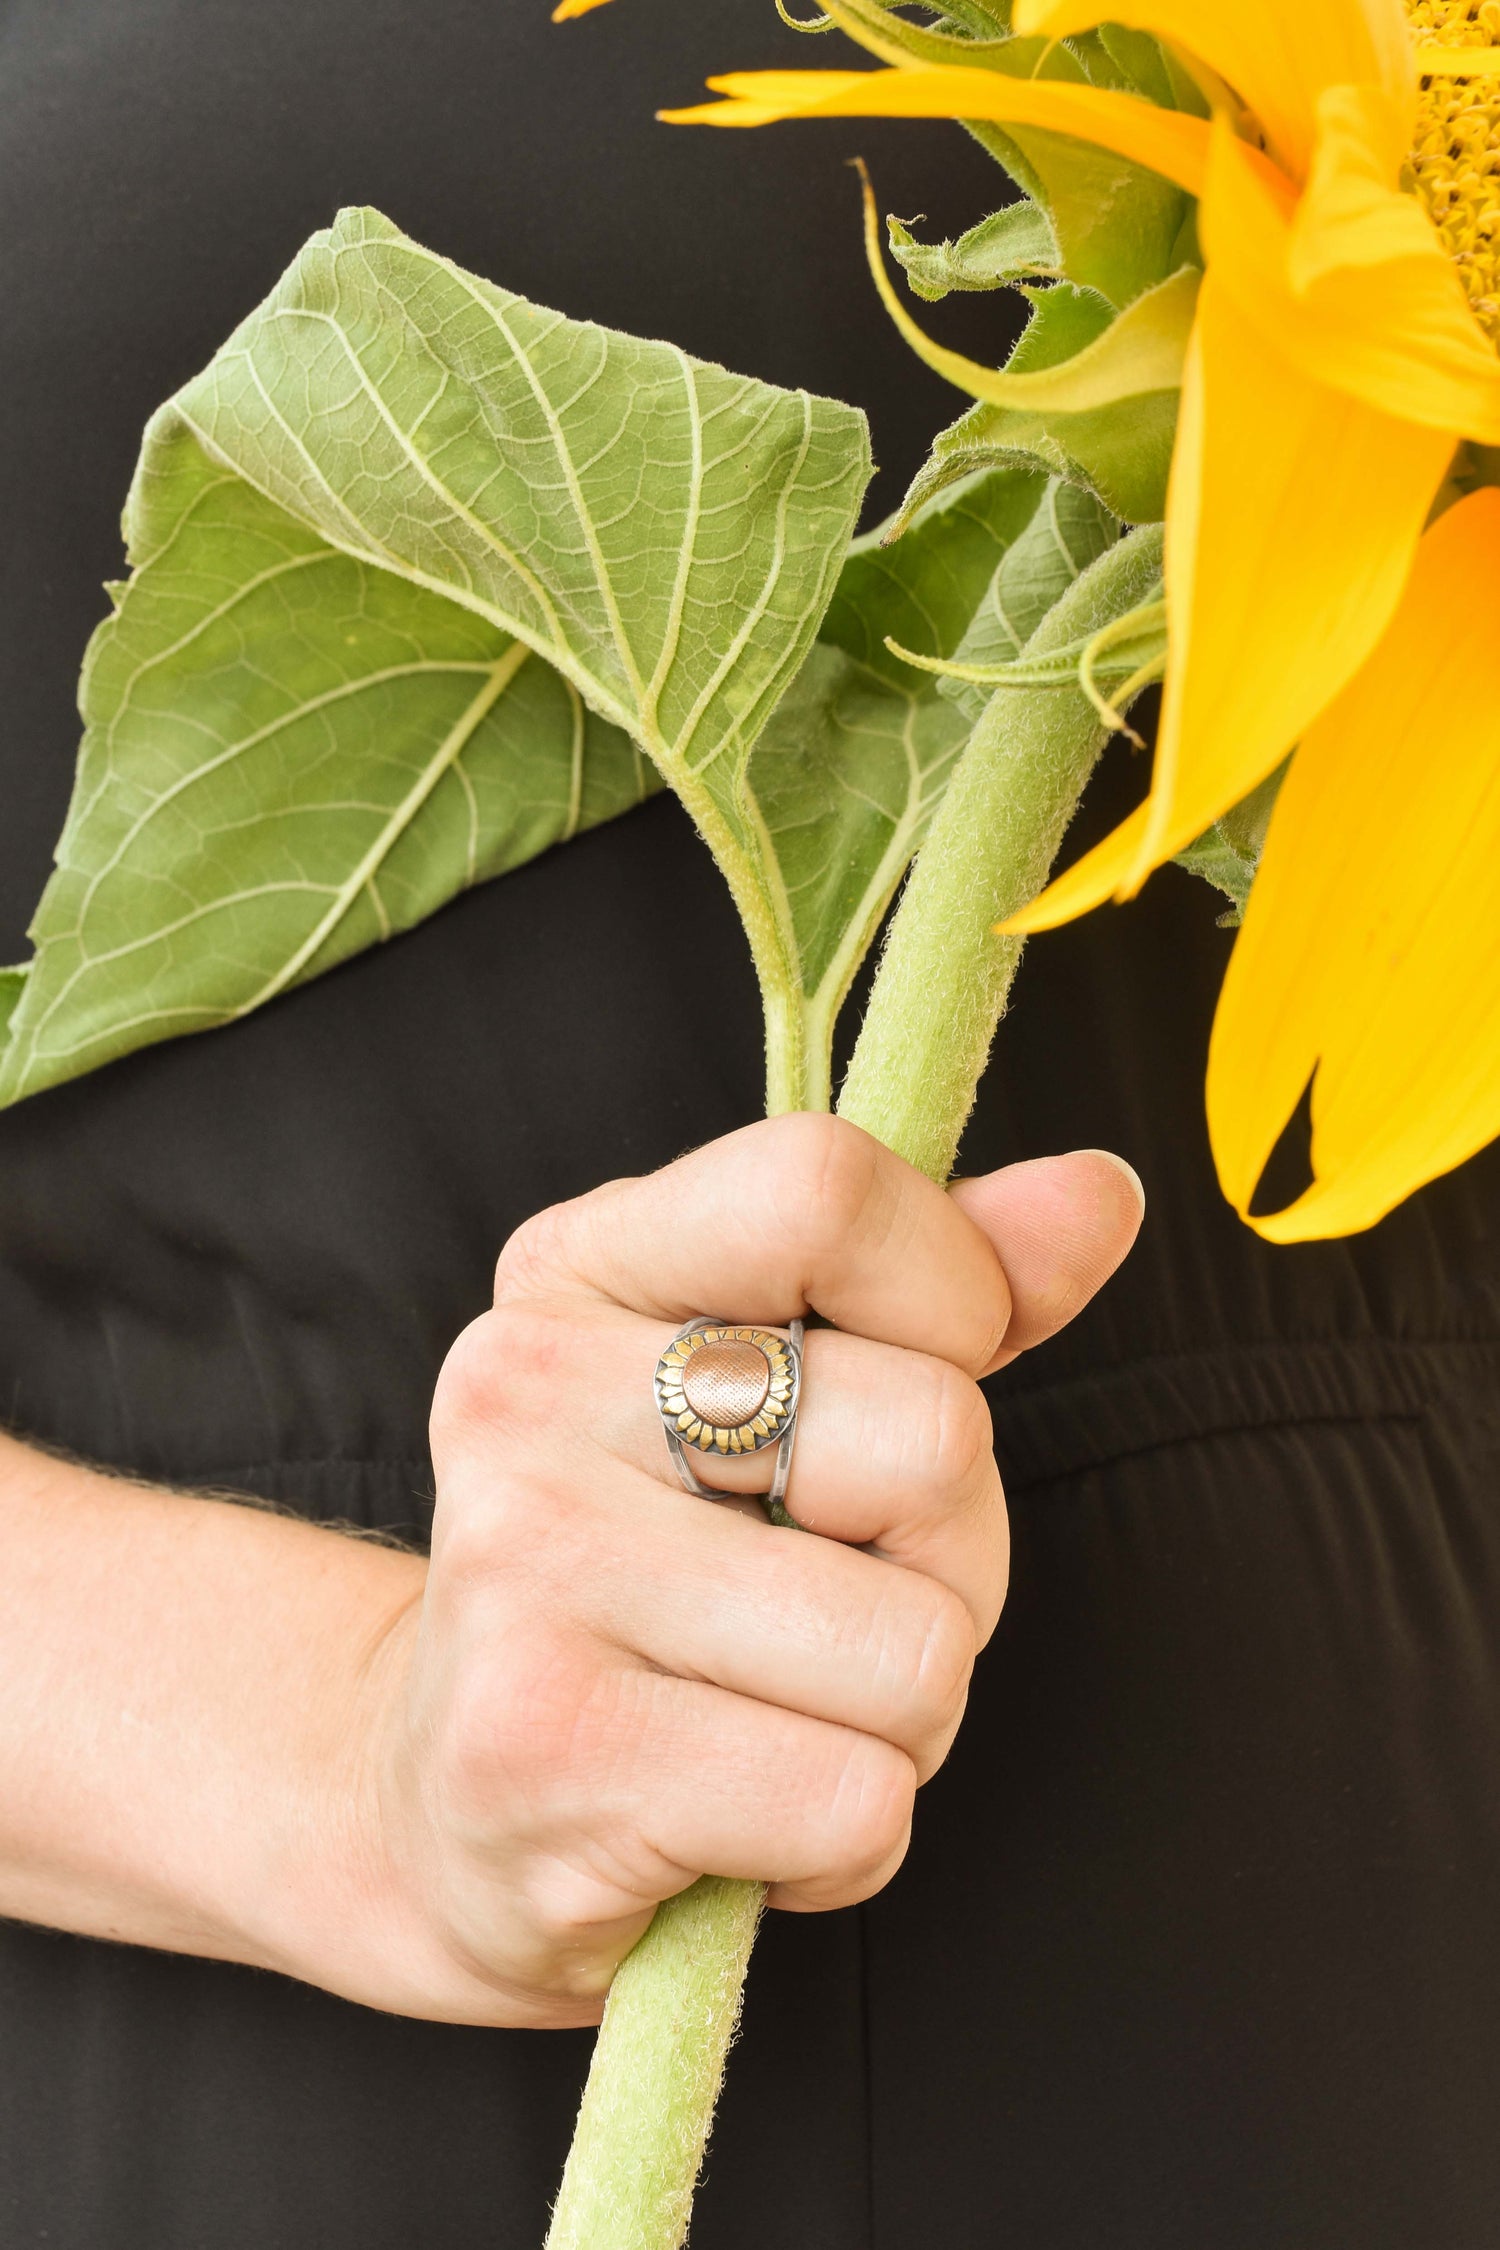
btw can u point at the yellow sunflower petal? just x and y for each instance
(567, 9)
(1354, 287)
(1371, 948)
(1278, 55)
(1164, 140)
(1349, 214)
(1292, 518)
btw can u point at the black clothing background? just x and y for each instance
(1197, 1942)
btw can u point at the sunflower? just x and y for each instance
(1332, 542)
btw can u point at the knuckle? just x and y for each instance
(921, 1651)
(990, 1334)
(876, 1795)
(824, 1174)
(502, 1364)
(532, 1256)
(571, 1902)
(537, 1725)
(956, 1433)
(944, 1661)
(465, 1381)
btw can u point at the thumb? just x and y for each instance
(1060, 1225)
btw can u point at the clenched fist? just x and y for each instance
(607, 1687)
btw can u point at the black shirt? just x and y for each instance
(1196, 1944)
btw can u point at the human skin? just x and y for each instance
(459, 1790)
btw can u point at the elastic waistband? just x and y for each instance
(1059, 1429)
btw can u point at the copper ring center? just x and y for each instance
(726, 1383)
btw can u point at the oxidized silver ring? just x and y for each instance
(724, 1389)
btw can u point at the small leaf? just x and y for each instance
(1228, 854)
(1069, 531)
(1115, 223)
(1010, 245)
(1073, 364)
(850, 767)
(1139, 351)
(1065, 321)
(1143, 65)
(923, 588)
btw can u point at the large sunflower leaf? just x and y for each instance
(417, 562)
(289, 755)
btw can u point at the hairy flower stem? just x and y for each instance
(650, 2098)
(945, 976)
(937, 998)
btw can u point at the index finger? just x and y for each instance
(794, 1215)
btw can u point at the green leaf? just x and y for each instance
(1065, 320)
(1070, 530)
(1008, 246)
(922, 587)
(12, 984)
(610, 501)
(417, 563)
(850, 767)
(1144, 66)
(1228, 854)
(979, 22)
(289, 755)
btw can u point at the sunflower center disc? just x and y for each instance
(726, 1383)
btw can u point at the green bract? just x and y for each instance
(1119, 450)
(1115, 247)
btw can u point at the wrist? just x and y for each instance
(358, 1910)
(319, 1900)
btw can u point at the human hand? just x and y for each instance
(610, 1686)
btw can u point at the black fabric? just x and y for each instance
(1196, 1944)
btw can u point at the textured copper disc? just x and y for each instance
(726, 1383)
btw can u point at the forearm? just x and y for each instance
(183, 1731)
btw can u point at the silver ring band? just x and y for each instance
(722, 1388)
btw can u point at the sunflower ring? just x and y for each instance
(725, 1389)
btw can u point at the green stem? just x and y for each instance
(763, 910)
(790, 1058)
(941, 986)
(945, 977)
(650, 2098)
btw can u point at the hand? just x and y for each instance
(610, 1686)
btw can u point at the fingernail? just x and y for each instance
(1120, 1165)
